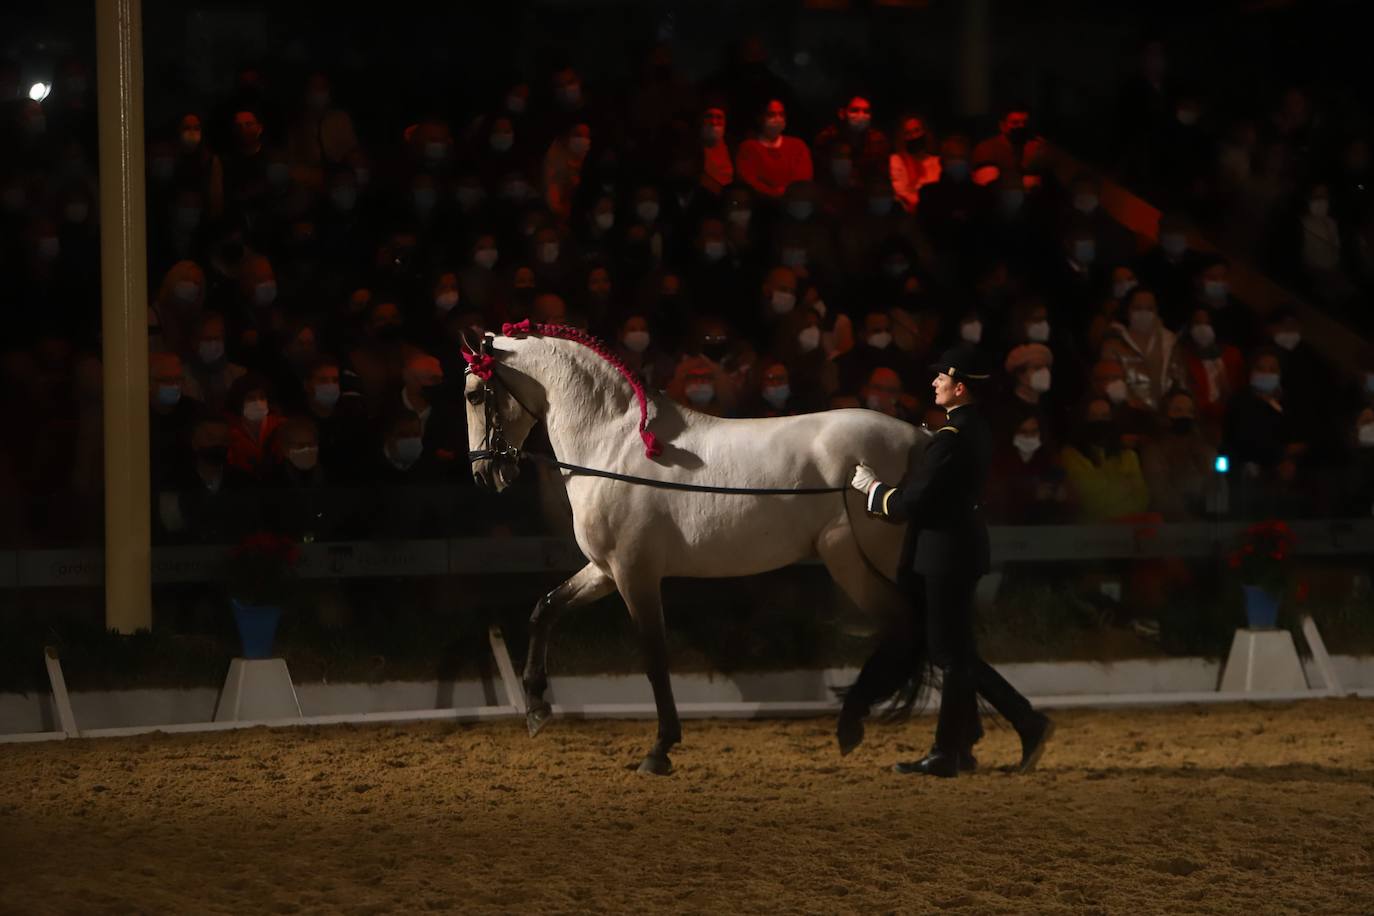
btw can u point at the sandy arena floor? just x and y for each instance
(1234, 809)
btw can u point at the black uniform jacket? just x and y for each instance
(941, 499)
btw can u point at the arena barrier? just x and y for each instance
(85, 568)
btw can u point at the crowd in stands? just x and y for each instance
(311, 278)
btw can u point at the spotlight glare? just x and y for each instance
(39, 91)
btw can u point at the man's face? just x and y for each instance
(1014, 120)
(299, 436)
(876, 323)
(883, 390)
(248, 128)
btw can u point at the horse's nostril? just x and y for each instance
(480, 478)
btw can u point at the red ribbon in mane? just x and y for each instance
(479, 364)
(652, 447)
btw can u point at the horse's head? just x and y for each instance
(498, 423)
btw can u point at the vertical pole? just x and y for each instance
(124, 315)
(975, 64)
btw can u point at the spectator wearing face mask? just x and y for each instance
(405, 501)
(853, 125)
(703, 385)
(257, 314)
(206, 500)
(1104, 478)
(882, 391)
(1150, 353)
(553, 266)
(1015, 147)
(637, 346)
(1180, 464)
(321, 132)
(487, 287)
(1357, 496)
(596, 230)
(772, 397)
(176, 312)
(770, 161)
(1029, 367)
(305, 501)
(873, 349)
(1215, 370)
(562, 170)
(208, 373)
(1212, 290)
(1169, 267)
(1083, 210)
(717, 170)
(1308, 380)
(1262, 439)
(1315, 251)
(170, 415)
(339, 420)
(911, 165)
(955, 210)
(1134, 418)
(1027, 484)
(195, 166)
(442, 423)
(800, 342)
(1111, 307)
(251, 426)
(246, 185)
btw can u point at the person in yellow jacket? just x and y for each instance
(1104, 478)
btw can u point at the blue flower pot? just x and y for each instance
(257, 628)
(1261, 608)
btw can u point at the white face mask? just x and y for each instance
(1085, 203)
(501, 142)
(636, 341)
(1026, 445)
(647, 210)
(186, 291)
(1038, 331)
(876, 402)
(794, 257)
(701, 393)
(971, 331)
(604, 220)
(485, 258)
(1040, 379)
(1120, 288)
(210, 351)
(1264, 382)
(446, 300)
(858, 123)
(1204, 335)
(1319, 206)
(515, 104)
(548, 252)
(782, 301)
(1366, 435)
(254, 411)
(777, 395)
(739, 217)
(713, 250)
(1215, 290)
(1174, 244)
(809, 338)
(772, 128)
(880, 340)
(305, 457)
(435, 150)
(579, 146)
(1142, 321)
(711, 134)
(1287, 339)
(1085, 251)
(1116, 390)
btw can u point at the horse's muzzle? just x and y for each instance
(494, 473)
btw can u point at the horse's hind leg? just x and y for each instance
(587, 585)
(890, 666)
(645, 602)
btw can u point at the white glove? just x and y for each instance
(864, 479)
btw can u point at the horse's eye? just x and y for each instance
(475, 396)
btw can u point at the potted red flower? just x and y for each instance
(1261, 563)
(260, 569)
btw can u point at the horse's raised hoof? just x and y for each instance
(536, 717)
(656, 765)
(849, 734)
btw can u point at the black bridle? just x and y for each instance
(494, 444)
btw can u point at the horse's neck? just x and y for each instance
(586, 402)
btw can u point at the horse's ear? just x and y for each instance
(465, 343)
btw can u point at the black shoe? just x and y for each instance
(967, 762)
(1034, 737)
(936, 763)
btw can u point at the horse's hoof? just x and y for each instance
(849, 735)
(536, 717)
(656, 765)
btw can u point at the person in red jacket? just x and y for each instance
(771, 161)
(1215, 370)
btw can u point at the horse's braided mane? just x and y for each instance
(652, 447)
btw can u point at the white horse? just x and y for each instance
(634, 534)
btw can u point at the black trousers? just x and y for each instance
(949, 635)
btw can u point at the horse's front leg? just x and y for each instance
(587, 585)
(645, 601)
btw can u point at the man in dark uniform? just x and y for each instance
(941, 502)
